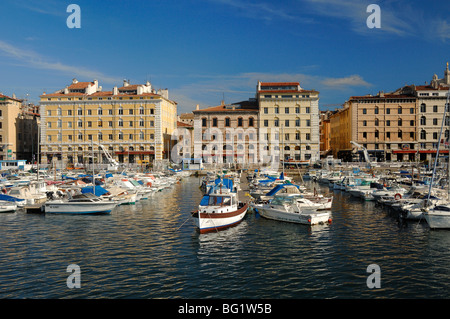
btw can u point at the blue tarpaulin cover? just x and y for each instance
(99, 191)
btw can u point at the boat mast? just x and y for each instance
(438, 146)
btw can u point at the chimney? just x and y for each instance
(198, 107)
(115, 91)
(125, 83)
(74, 81)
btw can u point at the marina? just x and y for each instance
(155, 248)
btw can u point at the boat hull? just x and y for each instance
(310, 218)
(212, 222)
(79, 208)
(438, 219)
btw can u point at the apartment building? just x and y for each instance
(227, 133)
(288, 121)
(133, 122)
(10, 108)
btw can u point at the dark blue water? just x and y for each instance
(151, 250)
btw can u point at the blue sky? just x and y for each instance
(207, 50)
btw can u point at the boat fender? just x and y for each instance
(398, 196)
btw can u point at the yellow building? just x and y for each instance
(134, 123)
(288, 121)
(10, 108)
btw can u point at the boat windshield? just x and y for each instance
(282, 200)
(219, 200)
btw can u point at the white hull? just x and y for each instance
(438, 219)
(310, 218)
(60, 207)
(8, 207)
(210, 222)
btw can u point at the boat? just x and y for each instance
(286, 207)
(219, 209)
(438, 217)
(7, 206)
(83, 204)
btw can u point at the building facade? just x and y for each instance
(133, 122)
(288, 121)
(227, 133)
(10, 108)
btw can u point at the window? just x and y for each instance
(89, 123)
(411, 110)
(120, 111)
(377, 134)
(240, 121)
(435, 121)
(388, 111)
(364, 123)
(49, 124)
(297, 122)
(276, 123)
(99, 111)
(286, 110)
(423, 120)
(364, 134)
(69, 137)
(286, 123)
(69, 124)
(376, 122)
(110, 123)
(110, 137)
(80, 136)
(435, 108)
(227, 122)
(277, 110)
(286, 137)
(400, 122)
(297, 136)
(399, 110)
(49, 138)
(58, 111)
(388, 134)
(130, 124)
(141, 122)
(411, 122)
(250, 121)
(49, 113)
(110, 112)
(308, 122)
(120, 122)
(141, 110)
(400, 134)
(100, 123)
(376, 110)
(423, 135)
(308, 136)
(80, 111)
(435, 135)
(364, 111)
(90, 137)
(130, 111)
(141, 135)
(80, 123)
(297, 109)
(120, 136)
(308, 110)
(204, 122)
(100, 136)
(423, 107)
(266, 123)
(89, 112)
(130, 137)
(69, 112)
(266, 110)
(411, 135)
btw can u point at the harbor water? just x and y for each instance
(152, 250)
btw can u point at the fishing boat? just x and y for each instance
(291, 208)
(86, 203)
(219, 209)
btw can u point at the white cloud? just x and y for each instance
(352, 80)
(35, 60)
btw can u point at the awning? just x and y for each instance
(404, 151)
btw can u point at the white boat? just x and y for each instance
(7, 207)
(23, 192)
(218, 210)
(86, 203)
(438, 217)
(286, 208)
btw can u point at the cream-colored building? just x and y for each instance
(10, 108)
(133, 122)
(288, 122)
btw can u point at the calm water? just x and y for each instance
(151, 250)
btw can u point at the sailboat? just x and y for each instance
(438, 216)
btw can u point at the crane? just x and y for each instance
(113, 164)
(366, 154)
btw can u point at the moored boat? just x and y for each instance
(219, 209)
(86, 203)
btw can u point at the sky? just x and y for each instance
(206, 51)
